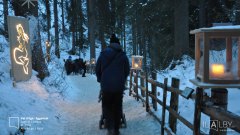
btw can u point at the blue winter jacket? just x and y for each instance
(113, 76)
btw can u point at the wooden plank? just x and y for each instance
(197, 111)
(143, 94)
(219, 97)
(174, 90)
(164, 105)
(228, 53)
(206, 44)
(179, 117)
(197, 53)
(223, 115)
(143, 89)
(158, 84)
(154, 91)
(130, 82)
(143, 76)
(174, 105)
(238, 56)
(154, 97)
(226, 30)
(211, 85)
(147, 92)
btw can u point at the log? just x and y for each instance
(164, 105)
(174, 105)
(219, 97)
(197, 111)
(130, 83)
(154, 91)
(142, 85)
(223, 115)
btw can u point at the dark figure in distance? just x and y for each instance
(112, 70)
(75, 66)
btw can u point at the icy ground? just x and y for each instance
(81, 111)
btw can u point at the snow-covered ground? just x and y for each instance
(60, 105)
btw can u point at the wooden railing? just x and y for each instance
(142, 92)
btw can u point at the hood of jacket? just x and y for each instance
(112, 49)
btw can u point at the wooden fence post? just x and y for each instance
(164, 105)
(219, 96)
(136, 86)
(143, 94)
(197, 111)
(130, 85)
(147, 92)
(174, 105)
(154, 91)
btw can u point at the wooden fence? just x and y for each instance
(203, 103)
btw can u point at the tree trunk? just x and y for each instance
(181, 29)
(81, 29)
(134, 37)
(202, 14)
(237, 17)
(57, 52)
(63, 23)
(113, 16)
(5, 12)
(91, 26)
(48, 19)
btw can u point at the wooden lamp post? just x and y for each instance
(217, 66)
(48, 48)
(93, 64)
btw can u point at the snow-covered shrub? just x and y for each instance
(57, 77)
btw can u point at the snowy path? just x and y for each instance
(81, 111)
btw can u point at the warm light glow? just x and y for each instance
(93, 61)
(20, 53)
(47, 44)
(137, 62)
(217, 70)
(136, 65)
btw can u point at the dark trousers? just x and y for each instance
(112, 109)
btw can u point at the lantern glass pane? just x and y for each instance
(137, 62)
(201, 61)
(223, 58)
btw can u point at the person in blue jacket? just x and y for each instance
(112, 70)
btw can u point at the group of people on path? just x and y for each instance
(112, 70)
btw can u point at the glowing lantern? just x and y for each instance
(137, 62)
(217, 70)
(48, 48)
(93, 61)
(217, 56)
(21, 69)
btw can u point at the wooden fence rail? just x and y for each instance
(143, 93)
